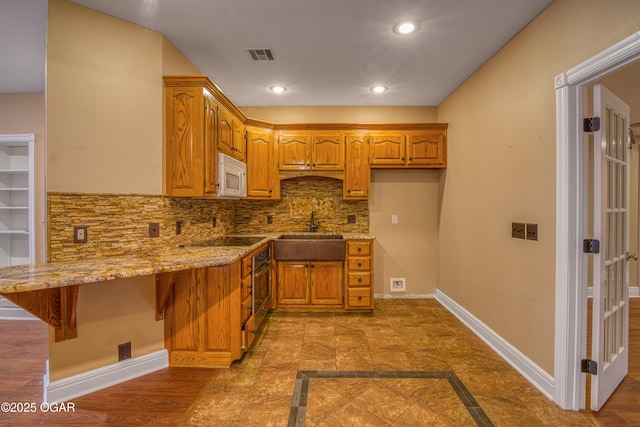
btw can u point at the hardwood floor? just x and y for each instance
(166, 397)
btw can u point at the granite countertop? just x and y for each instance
(32, 277)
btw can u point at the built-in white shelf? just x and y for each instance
(17, 242)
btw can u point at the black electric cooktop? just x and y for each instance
(230, 241)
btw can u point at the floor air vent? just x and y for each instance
(261, 54)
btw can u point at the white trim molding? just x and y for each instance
(403, 296)
(97, 379)
(525, 366)
(571, 222)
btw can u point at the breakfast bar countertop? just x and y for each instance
(33, 277)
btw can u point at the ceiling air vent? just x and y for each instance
(261, 54)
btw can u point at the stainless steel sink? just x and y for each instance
(316, 247)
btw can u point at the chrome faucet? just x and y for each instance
(313, 227)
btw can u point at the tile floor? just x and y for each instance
(411, 363)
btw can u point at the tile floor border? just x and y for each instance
(297, 414)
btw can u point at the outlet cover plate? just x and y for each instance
(154, 229)
(398, 284)
(532, 231)
(518, 230)
(124, 351)
(351, 219)
(80, 234)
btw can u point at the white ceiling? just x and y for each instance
(327, 52)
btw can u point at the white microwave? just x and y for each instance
(232, 178)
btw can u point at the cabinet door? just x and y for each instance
(181, 323)
(426, 149)
(239, 149)
(210, 133)
(328, 152)
(293, 282)
(294, 151)
(225, 131)
(184, 152)
(357, 175)
(326, 282)
(387, 149)
(261, 171)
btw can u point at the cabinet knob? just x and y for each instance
(402, 157)
(359, 279)
(359, 249)
(359, 264)
(313, 266)
(270, 191)
(348, 191)
(410, 158)
(359, 298)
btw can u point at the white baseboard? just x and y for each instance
(403, 296)
(10, 311)
(532, 372)
(88, 382)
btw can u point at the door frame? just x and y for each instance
(571, 218)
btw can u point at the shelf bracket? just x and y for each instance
(55, 306)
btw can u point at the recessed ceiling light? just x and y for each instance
(379, 89)
(278, 89)
(405, 27)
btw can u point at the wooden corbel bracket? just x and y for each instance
(55, 306)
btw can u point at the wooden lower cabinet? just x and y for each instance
(310, 283)
(202, 315)
(359, 273)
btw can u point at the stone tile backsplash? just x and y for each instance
(118, 224)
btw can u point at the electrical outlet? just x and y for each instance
(398, 284)
(213, 221)
(518, 230)
(532, 231)
(154, 229)
(351, 219)
(124, 351)
(80, 234)
(178, 227)
(269, 219)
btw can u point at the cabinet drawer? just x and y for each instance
(245, 308)
(246, 287)
(359, 297)
(359, 248)
(248, 333)
(246, 266)
(359, 264)
(359, 279)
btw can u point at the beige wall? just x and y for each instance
(104, 103)
(109, 313)
(502, 169)
(24, 113)
(408, 249)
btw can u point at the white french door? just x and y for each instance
(610, 349)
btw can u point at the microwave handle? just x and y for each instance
(243, 182)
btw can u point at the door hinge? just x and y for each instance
(591, 124)
(588, 366)
(591, 246)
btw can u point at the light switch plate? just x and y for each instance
(394, 219)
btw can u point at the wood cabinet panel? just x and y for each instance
(357, 174)
(326, 282)
(231, 139)
(359, 298)
(294, 151)
(425, 148)
(185, 149)
(328, 151)
(293, 282)
(262, 182)
(387, 149)
(202, 315)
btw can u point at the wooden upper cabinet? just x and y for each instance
(231, 135)
(262, 180)
(308, 150)
(327, 151)
(294, 151)
(387, 149)
(210, 137)
(185, 154)
(356, 172)
(421, 148)
(426, 149)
